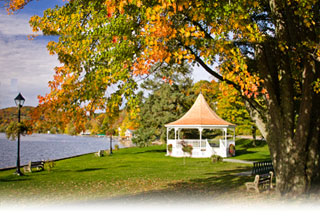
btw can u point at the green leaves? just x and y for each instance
(96, 52)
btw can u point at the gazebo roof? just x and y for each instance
(200, 114)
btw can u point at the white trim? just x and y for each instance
(200, 126)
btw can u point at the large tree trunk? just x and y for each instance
(289, 116)
(294, 143)
(293, 112)
(296, 158)
(293, 136)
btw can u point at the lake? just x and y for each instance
(37, 147)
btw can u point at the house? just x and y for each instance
(129, 134)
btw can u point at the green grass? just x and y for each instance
(132, 173)
(246, 151)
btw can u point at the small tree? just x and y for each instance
(109, 123)
(186, 148)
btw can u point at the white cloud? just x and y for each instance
(12, 25)
(26, 61)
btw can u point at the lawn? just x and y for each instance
(246, 151)
(133, 173)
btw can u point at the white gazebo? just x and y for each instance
(200, 117)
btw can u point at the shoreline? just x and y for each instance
(62, 146)
(64, 158)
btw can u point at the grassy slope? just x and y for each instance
(131, 172)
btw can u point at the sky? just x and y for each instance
(25, 65)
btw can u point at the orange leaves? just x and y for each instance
(236, 70)
(15, 5)
(57, 109)
(167, 80)
(114, 39)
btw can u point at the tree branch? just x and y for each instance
(255, 105)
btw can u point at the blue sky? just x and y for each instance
(25, 65)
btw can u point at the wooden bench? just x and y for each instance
(37, 164)
(100, 153)
(263, 172)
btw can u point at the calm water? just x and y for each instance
(37, 147)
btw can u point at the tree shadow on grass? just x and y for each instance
(243, 151)
(14, 179)
(152, 151)
(216, 185)
(89, 169)
(247, 148)
(61, 170)
(247, 143)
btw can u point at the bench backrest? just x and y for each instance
(36, 163)
(263, 167)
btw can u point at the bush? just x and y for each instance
(49, 164)
(216, 158)
(232, 150)
(116, 147)
(143, 137)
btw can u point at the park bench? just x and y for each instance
(263, 172)
(36, 164)
(100, 153)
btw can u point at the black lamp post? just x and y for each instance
(19, 100)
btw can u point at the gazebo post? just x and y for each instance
(200, 131)
(225, 136)
(175, 135)
(168, 130)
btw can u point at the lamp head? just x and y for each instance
(19, 100)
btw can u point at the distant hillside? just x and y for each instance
(11, 114)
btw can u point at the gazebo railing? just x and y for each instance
(200, 149)
(208, 147)
(193, 143)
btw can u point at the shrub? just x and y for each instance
(232, 150)
(49, 164)
(216, 158)
(116, 147)
(143, 137)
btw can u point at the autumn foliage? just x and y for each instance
(267, 50)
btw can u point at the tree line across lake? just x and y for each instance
(160, 102)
